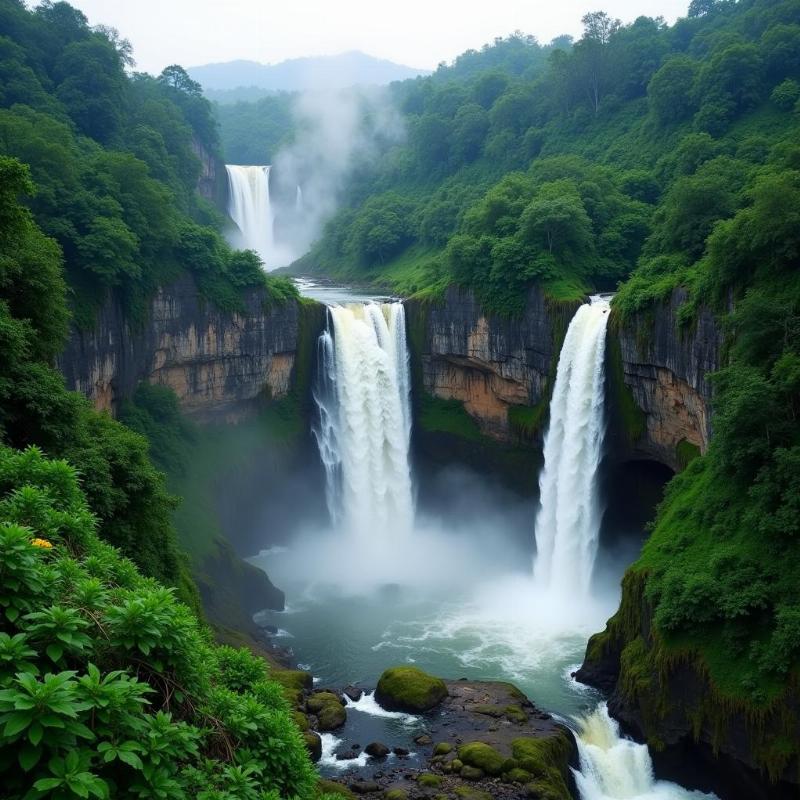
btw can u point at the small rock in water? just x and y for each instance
(355, 746)
(348, 756)
(423, 739)
(353, 692)
(377, 750)
(401, 751)
(364, 787)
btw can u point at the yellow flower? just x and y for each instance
(43, 543)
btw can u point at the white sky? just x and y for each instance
(419, 33)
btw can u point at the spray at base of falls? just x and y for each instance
(615, 768)
(568, 523)
(364, 426)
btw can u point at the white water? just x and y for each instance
(568, 522)
(250, 208)
(367, 704)
(615, 768)
(365, 419)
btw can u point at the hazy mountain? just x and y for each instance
(298, 74)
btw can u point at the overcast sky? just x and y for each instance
(419, 33)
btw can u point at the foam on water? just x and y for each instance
(367, 704)
(330, 744)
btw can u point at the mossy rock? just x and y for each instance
(313, 745)
(547, 760)
(331, 717)
(295, 683)
(301, 720)
(318, 701)
(512, 712)
(482, 756)
(456, 764)
(331, 787)
(395, 794)
(429, 780)
(409, 689)
(442, 749)
(471, 773)
(469, 793)
(516, 775)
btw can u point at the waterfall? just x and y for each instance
(612, 767)
(364, 427)
(250, 208)
(568, 522)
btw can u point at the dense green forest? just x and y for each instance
(109, 683)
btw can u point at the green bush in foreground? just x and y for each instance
(109, 687)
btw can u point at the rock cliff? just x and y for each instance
(665, 367)
(490, 363)
(215, 361)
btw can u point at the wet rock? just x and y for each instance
(353, 692)
(423, 739)
(377, 750)
(313, 745)
(364, 787)
(400, 751)
(348, 755)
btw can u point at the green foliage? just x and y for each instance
(111, 688)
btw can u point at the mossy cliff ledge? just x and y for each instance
(703, 730)
(214, 361)
(489, 362)
(659, 379)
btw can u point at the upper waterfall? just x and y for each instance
(364, 427)
(568, 522)
(250, 208)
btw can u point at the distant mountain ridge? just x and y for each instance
(301, 74)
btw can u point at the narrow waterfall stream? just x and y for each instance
(568, 523)
(250, 208)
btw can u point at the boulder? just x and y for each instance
(377, 750)
(409, 689)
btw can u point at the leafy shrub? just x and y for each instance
(109, 687)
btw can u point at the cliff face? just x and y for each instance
(666, 369)
(212, 183)
(489, 363)
(494, 364)
(215, 361)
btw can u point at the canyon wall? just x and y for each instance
(490, 363)
(665, 367)
(501, 369)
(215, 361)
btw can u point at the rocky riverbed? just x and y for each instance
(444, 739)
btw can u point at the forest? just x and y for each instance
(638, 159)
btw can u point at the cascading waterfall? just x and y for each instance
(612, 767)
(364, 426)
(568, 522)
(250, 208)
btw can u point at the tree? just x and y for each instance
(489, 87)
(176, 77)
(700, 8)
(591, 53)
(556, 220)
(670, 89)
(470, 127)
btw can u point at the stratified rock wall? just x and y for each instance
(489, 362)
(215, 361)
(667, 367)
